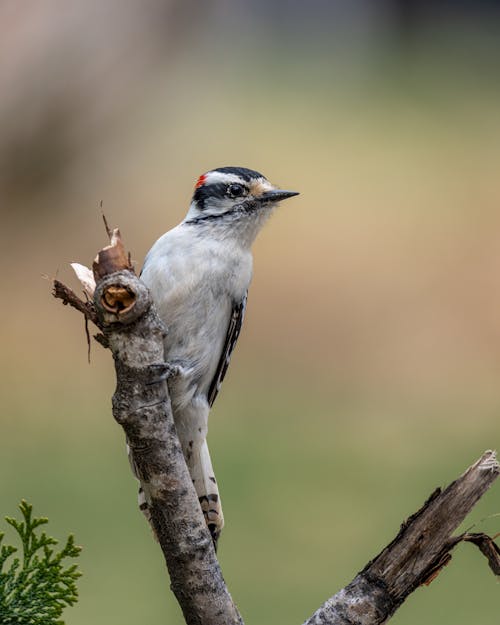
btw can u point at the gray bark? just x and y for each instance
(417, 554)
(130, 327)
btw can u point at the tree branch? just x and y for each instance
(142, 407)
(415, 557)
(123, 311)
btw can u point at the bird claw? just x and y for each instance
(166, 370)
(176, 368)
(159, 373)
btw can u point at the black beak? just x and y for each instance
(276, 196)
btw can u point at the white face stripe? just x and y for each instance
(217, 177)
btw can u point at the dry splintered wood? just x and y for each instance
(111, 258)
(415, 556)
(123, 311)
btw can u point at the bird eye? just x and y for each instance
(236, 190)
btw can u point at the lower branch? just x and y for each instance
(415, 556)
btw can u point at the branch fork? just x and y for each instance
(122, 309)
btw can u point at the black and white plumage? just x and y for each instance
(198, 274)
(232, 334)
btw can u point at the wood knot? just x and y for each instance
(117, 299)
(121, 298)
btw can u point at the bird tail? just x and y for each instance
(203, 476)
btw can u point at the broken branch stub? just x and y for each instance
(114, 299)
(111, 258)
(121, 298)
(117, 297)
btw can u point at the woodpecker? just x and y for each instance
(198, 274)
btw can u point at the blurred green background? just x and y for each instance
(368, 369)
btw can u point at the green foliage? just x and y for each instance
(36, 588)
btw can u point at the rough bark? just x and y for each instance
(415, 557)
(123, 311)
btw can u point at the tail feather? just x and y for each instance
(203, 476)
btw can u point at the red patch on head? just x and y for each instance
(201, 181)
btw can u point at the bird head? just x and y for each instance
(228, 196)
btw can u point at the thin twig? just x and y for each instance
(68, 296)
(109, 232)
(87, 334)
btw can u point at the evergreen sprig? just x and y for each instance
(35, 588)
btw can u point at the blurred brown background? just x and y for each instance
(367, 372)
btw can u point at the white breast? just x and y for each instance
(194, 281)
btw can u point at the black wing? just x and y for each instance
(233, 332)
